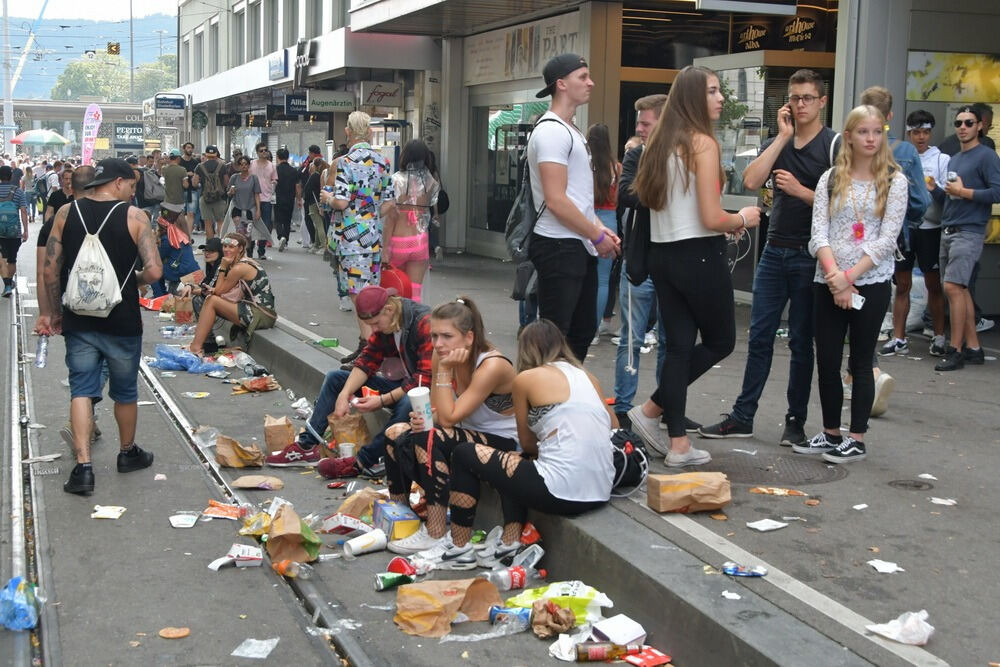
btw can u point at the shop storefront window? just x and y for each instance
(670, 35)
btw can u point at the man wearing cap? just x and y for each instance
(17, 211)
(210, 177)
(401, 347)
(567, 237)
(175, 181)
(116, 339)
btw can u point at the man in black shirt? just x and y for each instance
(286, 191)
(793, 161)
(57, 198)
(192, 194)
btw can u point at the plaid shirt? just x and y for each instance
(417, 359)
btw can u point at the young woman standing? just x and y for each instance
(857, 215)
(679, 180)
(607, 170)
(244, 188)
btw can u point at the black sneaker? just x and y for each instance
(134, 458)
(349, 359)
(821, 443)
(952, 361)
(794, 433)
(847, 451)
(975, 357)
(81, 481)
(727, 428)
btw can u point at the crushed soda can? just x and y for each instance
(387, 580)
(500, 614)
(735, 570)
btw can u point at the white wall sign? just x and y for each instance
(520, 52)
(169, 110)
(330, 100)
(381, 93)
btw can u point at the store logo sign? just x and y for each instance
(750, 38)
(798, 30)
(381, 94)
(305, 57)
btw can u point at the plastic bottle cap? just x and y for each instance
(543, 573)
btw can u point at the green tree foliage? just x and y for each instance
(107, 76)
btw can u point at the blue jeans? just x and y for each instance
(370, 454)
(604, 265)
(93, 358)
(784, 275)
(635, 315)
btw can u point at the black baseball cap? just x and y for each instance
(211, 150)
(109, 169)
(558, 68)
(213, 244)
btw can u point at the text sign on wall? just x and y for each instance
(522, 51)
(381, 93)
(330, 100)
(128, 135)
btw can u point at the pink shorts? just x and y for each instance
(408, 249)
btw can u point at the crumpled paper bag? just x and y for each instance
(352, 427)
(289, 537)
(910, 628)
(266, 482)
(688, 492)
(548, 618)
(183, 310)
(231, 454)
(426, 609)
(359, 504)
(278, 433)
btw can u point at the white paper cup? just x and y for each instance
(420, 402)
(346, 449)
(363, 544)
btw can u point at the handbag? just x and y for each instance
(443, 202)
(636, 251)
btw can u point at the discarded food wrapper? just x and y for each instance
(619, 629)
(885, 567)
(184, 519)
(360, 503)
(748, 452)
(230, 453)
(427, 608)
(159, 477)
(278, 433)
(585, 601)
(813, 502)
(217, 510)
(42, 458)
(926, 475)
(794, 518)
(648, 657)
(240, 555)
(195, 394)
(776, 491)
(729, 595)
(764, 525)
(107, 512)
(944, 501)
(256, 525)
(265, 482)
(862, 506)
(170, 632)
(218, 375)
(289, 537)
(688, 492)
(343, 524)
(564, 648)
(396, 520)
(910, 628)
(275, 505)
(255, 648)
(549, 619)
(256, 384)
(735, 570)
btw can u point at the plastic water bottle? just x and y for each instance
(514, 577)
(528, 558)
(293, 569)
(42, 351)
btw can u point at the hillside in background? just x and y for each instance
(58, 42)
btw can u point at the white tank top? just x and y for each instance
(680, 219)
(574, 441)
(486, 418)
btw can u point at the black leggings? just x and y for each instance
(514, 477)
(408, 460)
(283, 222)
(694, 292)
(832, 323)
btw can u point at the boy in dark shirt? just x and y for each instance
(286, 191)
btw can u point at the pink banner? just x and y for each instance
(91, 123)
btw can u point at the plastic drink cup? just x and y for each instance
(400, 565)
(345, 449)
(420, 402)
(367, 543)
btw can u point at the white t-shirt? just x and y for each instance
(551, 142)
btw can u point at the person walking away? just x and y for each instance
(606, 170)
(190, 162)
(407, 246)
(209, 177)
(858, 214)
(175, 182)
(316, 217)
(267, 176)
(244, 188)
(127, 238)
(971, 195)
(679, 180)
(567, 237)
(13, 227)
(793, 161)
(286, 190)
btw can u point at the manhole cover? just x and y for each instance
(910, 485)
(775, 469)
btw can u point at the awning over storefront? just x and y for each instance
(446, 18)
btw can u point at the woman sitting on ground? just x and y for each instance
(472, 401)
(564, 428)
(242, 293)
(176, 253)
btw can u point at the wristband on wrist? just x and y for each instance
(600, 239)
(381, 400)
(743, 220)
(847, 277)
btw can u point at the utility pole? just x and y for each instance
(131, 56)
(161, 32)
(8, 103)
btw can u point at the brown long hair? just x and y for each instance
(465, 316)
(604, 163)
(881, 164)
(541, 343)
(684, 115)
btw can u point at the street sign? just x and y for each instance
(277, 65)
(169, 111)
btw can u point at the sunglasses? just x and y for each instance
(968, 122)
(231, 243)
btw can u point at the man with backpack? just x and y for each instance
(91, 286)
(13, 227)
(209, 177)
(153, 192)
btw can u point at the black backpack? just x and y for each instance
(631, 462)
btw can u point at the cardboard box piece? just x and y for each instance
(395, 519)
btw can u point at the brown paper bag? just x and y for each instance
(231, 454)
(265, 482)
(278, 433)
(350, 428)
(688, 492)
(426, 609)
(549, 619)
(183, 310)
(359, 504)
(289, 538)
(168, 304)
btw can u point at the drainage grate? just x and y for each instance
(778, 468)
(910, 485)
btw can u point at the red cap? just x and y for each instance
(371, 300)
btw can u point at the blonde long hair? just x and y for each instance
(882, 163)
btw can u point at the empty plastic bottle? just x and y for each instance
(515, 577)
(42, 351)
(529, 557)
(293, 569)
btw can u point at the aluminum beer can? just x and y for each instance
(387, 580)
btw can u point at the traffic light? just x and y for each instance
(114, 48)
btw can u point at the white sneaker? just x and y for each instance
(984, 324)
(345, 304)
(616, 340)
(434, 553)
(282, 244)
(648, 429)
(492, 539)
(884, 384)
(650, 339)
(692, 457)
(597, 339)
(415, 543)
(606, 328)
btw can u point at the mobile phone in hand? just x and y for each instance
(857, 301)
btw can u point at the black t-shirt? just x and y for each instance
(284, 189)
(311, 191)
(43, 233)
(791, 218)
(57, 199)
(189, 165)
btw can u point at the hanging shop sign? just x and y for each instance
(128, 136)
(520, 52)
(305, 57)
(228, 120)
(199, 120)
(295, 104)
(330, 100)
(278, 112)
(381, 94)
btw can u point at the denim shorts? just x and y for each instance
(85, 353)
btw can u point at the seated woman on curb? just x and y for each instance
(176, 252)
(564, 428)
(242, 292)
(472, 401)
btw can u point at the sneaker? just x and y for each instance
(376, 471)
(884, 384)
(134, 458)
(984, 324)
(492, 539)
(497, 552)
(606, 328)
(690, 425)
(953, 360)
(7, 290)
(337, 468)
(938, 346)
(434, 554)
(345, 304)
(928, 332)
(821, 442)
(895, 346)
(647, 429)
(415, 543)
(457, 558)
(848, 389)
(975, 357)
(692, 457)
(294, 455)
(597, 339)
(793, 434)
(616, 340)
(727, 428)
(282, 244)
(847, 451)
(66, 433)
(81, 481)
(649, 340)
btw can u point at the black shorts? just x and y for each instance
(925, 251)
(9, 248)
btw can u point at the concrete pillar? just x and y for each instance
(601, 22)
(454, 155)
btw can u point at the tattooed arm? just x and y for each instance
(149, 254)
(51, 291)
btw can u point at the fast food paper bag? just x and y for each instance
(231, 454)
(290, 538)
(278, 433)
(426, 609)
